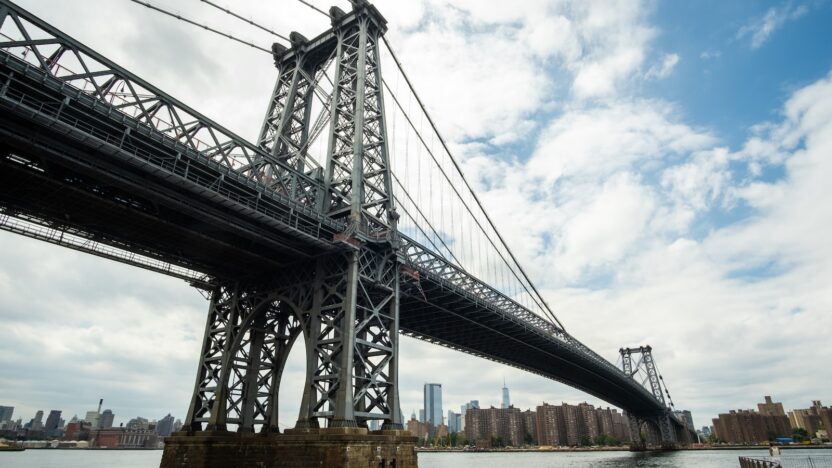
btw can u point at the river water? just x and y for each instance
(683, 459)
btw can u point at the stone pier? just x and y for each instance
(296, 448)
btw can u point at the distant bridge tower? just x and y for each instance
(645, 428)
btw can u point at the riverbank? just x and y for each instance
(614, 449)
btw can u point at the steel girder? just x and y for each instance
(83, 70)
(358, 172)
(248, 335)
(353, 372)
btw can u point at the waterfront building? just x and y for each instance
(6, 413)
(706, 431)
(453, 422)
(164, 427)
(570, 424)
(433, 406)
(620, 427)
(53, 423)
(139, 438)
(107, 418)
(813, 419)
(506, 424)
(36, 423)
(138, 423)
(825, 415)
(108, 438)
(77, 430)
(530, 427)
(550, 425)
(587, 424)
(93, 417)
(463, 409)
(417, 428)
(771, 408)
(750, 427)
(605, 424)
(804, 419)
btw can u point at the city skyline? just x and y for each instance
(687, 187)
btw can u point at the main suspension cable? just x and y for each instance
(314, 8)
(465, 181)
(241, 18)
(543, 307)
(203, 26)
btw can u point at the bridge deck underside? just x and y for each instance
(443, 317)
(72, 180)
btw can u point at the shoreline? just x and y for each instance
(621, 449)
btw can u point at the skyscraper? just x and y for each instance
(53, 422)
(164, 427)
(433, 405)
(6, 413)
(36, 424)
(453, 422)
(464, 409)
(107, 418)
(506, 403)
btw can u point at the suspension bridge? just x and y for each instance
(348, 221)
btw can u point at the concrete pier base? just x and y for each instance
(296, 448)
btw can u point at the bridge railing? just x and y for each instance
(787, 461)
(52, 111)
(42, 46)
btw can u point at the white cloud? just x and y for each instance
(608, 213)
(760, 29)
(663, 70)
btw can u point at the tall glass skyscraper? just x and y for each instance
(506, 403)
(433, 405)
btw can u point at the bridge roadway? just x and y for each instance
(78, 164)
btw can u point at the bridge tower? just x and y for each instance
(344, 303)
(644, 429)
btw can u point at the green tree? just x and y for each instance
(799, 434)
(585, 441)
(528, 439)
(606, 439)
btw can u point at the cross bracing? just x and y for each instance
(375, 232)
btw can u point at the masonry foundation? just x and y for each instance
(297, 448)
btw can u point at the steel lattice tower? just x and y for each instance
(345, 304)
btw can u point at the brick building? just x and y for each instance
(506, 424)
(417, 428)
(750, 427)
(587, 423)
(530, 426)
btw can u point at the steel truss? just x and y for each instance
(248, 335)
(346, 304)
(115, 89)
(663, 421)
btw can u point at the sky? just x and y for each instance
(661, 169)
